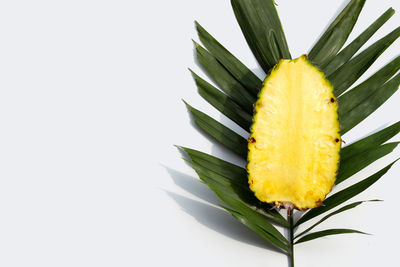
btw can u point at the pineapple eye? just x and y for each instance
(337, 140)
(252, 140)
(332, 100)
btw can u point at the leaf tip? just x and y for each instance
(375, 200)
(194, 75)
(195, 43)
(187, 105)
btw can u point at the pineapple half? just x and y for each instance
(295, 142)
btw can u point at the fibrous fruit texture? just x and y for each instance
(295, 142)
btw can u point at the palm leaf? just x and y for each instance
(352, 165)
(253, 216)
(375, 100)
(229, 183)
(362, 92)
(344, 195)
(336, 35)
(349, 51)
(223, 103)
(225, 80)
(219, 132)
(239, 86)
(345, 208)
(263, 31)
(238, 70)
(218, 166)
(236, 175)
(371, 141)
(327, 233)
(350, 72)
(224, 185)
(258, 230)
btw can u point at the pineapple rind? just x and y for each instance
(294, 152)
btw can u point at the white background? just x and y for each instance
(90, 107)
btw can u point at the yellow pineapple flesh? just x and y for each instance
(295, 142)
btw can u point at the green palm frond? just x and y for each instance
(323, 233)
(238, 70)
(345, 208)
(352, 70)
(336, 35)
(236, 93)
(263, 31)
(349, 51)
(344, 195)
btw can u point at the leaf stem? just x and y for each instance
(291, 238)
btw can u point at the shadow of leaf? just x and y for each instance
(210, 216)
(193, 186)
(219, 221)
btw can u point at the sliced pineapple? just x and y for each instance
(295, 142)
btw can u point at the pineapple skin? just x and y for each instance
(294, 146)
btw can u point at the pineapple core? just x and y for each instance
(295, 142)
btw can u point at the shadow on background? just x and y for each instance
(193, 186)
(212, 217)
